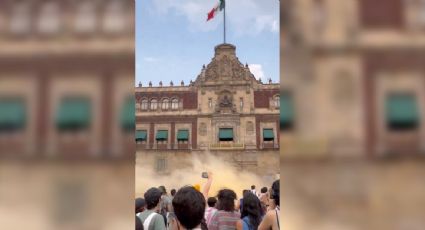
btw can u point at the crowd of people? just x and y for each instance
(190, 209)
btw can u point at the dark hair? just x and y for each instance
(263, 189)
(226, 200)
(252, 209)
(189, 207)
(244, 192)
(252, 186)
(139, 225)
(163, 190)
(173, 192)
(140, 204)
(152, 197)
(275, 192)
(211, 201)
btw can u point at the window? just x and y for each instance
(85, 17)
(162, 136)
(165, 104)
(286, 112)
(49, 18)
(161, 164)
(225, 134)
(241, 103)
(276, 102)
(144, 104)
(20, 20)
(175, 104)
(202, 129)
(73, 114)
(183, 135)
(401, 112)
(421, 14)
(114, 17)
(250, 127)
(319, 15)
(268, 135)
(12, 115)
(154, 104)
(209, 102)
(128, 118)
(141, 136)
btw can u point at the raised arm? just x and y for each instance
(207, 186)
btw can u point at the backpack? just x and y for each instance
(148, 220)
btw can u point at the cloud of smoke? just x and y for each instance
(225, 175)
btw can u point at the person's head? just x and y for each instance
(139, 225)
(140, 204)
(275, 192)
(152, 198)
(163, 190)
(244, 192)
(211, 201)
(173, 192)
(252, 187)
(263, 189)
(252, 208)
(189, 207)
(226, 200)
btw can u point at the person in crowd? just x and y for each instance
(165, 206)
(150, 218)
(253, 190)
(139, 225)
(189, 208)
(271, 219)
(173, 193)
(140, 205)
(251, 213)
(225, 217)
(264, 198)
(209, 212)
(239, 205)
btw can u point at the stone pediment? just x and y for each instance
(225, 68)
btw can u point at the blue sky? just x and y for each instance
(173, 39)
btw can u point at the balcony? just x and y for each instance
(227, 146)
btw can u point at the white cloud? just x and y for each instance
(150, 59)
(257, 70)
(275, 26)
(245, 16)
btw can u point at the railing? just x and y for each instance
(227, 146)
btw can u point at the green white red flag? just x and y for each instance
(219, 7)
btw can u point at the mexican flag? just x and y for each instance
(219, 7)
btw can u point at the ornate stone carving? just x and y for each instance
(225, 68)
(225, 102)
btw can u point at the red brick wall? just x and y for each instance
(381, 13)
(262, 97)
(190, 99)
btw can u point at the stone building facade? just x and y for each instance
(226, 111)
(66, 74)
(353, 78)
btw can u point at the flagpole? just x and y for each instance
(224, 24)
